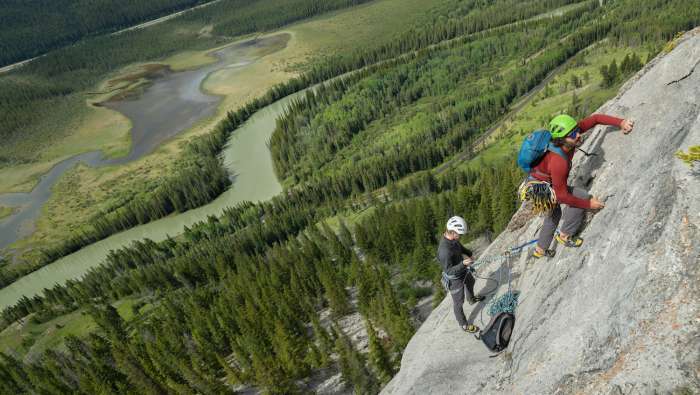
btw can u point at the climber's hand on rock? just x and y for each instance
(468, 261)
(626, 125)
(596, 204)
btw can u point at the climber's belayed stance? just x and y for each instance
(554, 169)
(455, 261)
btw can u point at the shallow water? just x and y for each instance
(246, 157)
(172, 103)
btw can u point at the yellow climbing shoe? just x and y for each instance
(571, 241)
(544, 253)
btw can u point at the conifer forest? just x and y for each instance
(373, 160)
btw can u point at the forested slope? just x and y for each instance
(44, 97)
(197, 165)
(67, 21)
(46, 100)
(242, 299)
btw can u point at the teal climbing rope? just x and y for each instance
(507, 302)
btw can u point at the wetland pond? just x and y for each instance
(171, 103)
(246, 157)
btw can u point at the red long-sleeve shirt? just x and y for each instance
(555, 169)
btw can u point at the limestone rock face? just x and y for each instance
(620, 314)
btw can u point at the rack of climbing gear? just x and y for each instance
(540, 193)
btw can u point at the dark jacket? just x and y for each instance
(450, 257)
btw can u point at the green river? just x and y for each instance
(246, 157)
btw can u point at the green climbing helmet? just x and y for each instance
(562, 125)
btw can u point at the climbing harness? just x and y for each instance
(540, 193)
(446, 278)
(509, 300)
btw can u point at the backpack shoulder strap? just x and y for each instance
(557, 150)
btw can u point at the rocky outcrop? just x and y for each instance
(620, 314)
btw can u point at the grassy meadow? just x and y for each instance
(6, 211)
(29, 338)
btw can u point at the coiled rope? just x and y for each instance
(506, 303)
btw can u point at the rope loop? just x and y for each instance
(509, 300)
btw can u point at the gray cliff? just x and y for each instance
(620, 314)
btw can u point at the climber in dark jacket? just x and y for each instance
(455, 261)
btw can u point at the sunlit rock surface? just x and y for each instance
(620, 314)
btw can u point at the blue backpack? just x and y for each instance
(533, 149)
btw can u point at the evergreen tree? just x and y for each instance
(613, 72)
(324, 341)
(605, 73)
(109, 320)
(334, 287)
(485, 216)
(352, 365)
(378, 358)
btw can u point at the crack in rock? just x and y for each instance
(685, 76)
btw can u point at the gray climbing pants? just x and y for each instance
(572, 219)
(459, 289)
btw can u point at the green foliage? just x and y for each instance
(379, 359)
(672, 44)
(65, 22)
(652, 21)
(336, 128)
(110, 321)
(612, 74)
(353, 366)
(692, 156)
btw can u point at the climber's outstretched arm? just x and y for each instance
(625, 125)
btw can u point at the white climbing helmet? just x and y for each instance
(457, 224)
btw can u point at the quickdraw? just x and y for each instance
(496, 258)
(540, 193)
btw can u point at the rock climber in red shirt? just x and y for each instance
(554, 169)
